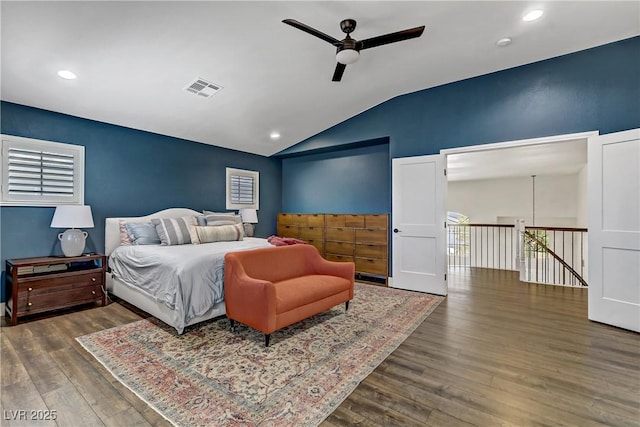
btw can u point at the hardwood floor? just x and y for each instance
(495, 352)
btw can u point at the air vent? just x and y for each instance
(202, 88)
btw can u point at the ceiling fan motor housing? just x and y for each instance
(348, 25)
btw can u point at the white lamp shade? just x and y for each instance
(72, 216)
(249, 215)
(347, 56)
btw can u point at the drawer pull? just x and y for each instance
(29, 304)
(93, 292)
(30, 289)
(93, 279)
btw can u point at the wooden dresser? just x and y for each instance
(360, 238)
(307, 227)
(37, 285)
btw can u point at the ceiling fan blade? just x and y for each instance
(312, 31)
(390, 38)
(337, 74)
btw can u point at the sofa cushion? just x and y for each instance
(299, 291)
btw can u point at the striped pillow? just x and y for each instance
(174, 231)
(221, 233)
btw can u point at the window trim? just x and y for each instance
(17, 142)
(230, 172)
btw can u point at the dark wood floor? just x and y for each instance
(495, 352)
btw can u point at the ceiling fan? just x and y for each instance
(348, 49)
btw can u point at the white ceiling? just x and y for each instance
(557, 158)
(133, 59)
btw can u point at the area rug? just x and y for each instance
(211, 376)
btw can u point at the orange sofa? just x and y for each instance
(271, 288)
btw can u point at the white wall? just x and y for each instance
(583, 199)
(501, 201)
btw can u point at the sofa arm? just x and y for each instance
(248, 300)
(333, 268)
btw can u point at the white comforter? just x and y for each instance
(186, 278)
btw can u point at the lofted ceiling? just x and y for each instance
(134, 59)
(566, 157)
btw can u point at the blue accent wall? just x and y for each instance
(128, 173)
(594, 89)
(354, 180)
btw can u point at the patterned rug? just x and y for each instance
(211, 376)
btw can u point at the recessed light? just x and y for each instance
(503, 42)
(274, 135)
(533, 15)
(66, 74)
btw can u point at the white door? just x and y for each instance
(418, 224)
(614, 229)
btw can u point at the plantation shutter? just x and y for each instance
(242, 190)
(41, 173)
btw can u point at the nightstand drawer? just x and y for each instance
(60, 281)
(36, 302)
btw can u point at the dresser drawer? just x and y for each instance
(368, 235)
(376, 221)
(285, 219)
(371, 251)
(315, 220)
(36, 302)
(339, 258)
(312, 233)
(334, 220)
(288, 231)
(340, 234)
(373, 266)
(339, 248)
(60, 281)
(356, 221)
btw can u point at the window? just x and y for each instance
(41, 173)
(242, 189)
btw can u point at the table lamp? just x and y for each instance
(72, 217)
(249, 217)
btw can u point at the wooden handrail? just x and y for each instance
(553, 254)
(577, 230)
(482, 225)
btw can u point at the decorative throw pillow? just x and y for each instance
(201, 220)
(223, 219)
(143, 233)
(174, 231)
(222, 233)
(125, 239)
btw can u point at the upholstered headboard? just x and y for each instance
(112, 225)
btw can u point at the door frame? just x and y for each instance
(510, 144)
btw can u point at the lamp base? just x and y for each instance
(248, 229)
(72, 242)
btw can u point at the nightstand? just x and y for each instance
(38, 285)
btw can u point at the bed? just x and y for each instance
(181, 285)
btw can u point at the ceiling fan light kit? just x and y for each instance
(348, 49)
(347, 56)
